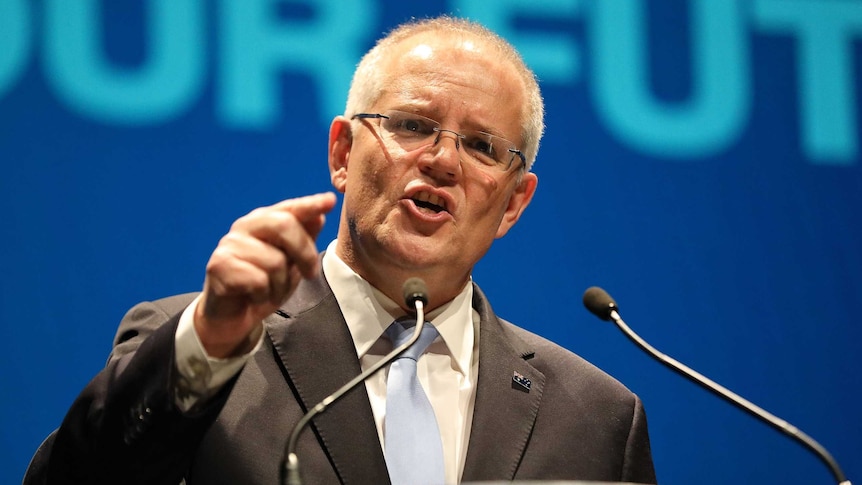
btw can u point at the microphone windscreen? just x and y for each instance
(599, 302)
(414, 289)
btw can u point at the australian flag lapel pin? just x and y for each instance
(520, 382)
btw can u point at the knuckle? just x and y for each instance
(219, 258)
(283, 221)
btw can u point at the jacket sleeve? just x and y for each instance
(124, 427)
(638, 464)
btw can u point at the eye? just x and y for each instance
(411, 125)
(407, 125)
(482, 148)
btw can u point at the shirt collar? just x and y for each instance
(368, 312)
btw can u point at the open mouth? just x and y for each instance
(429, 202)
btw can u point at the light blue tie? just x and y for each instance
(414, 452)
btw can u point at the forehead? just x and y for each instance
(454, 74)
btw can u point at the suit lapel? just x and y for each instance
(505, 410)
(318, 357)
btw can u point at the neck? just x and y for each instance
(389, 275)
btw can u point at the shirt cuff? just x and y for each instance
(200, 376)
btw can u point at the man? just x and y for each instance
(433, 157)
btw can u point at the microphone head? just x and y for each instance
(599, 302)
(414, 289)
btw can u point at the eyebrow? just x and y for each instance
(425, 109)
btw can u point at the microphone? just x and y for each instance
(600, 303)
(415, 294)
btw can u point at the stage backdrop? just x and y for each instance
(701, 163)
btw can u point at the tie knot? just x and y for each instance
(401, 330)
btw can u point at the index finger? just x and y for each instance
(310, 211)
(308, 208)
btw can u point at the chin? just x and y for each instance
(421, 252)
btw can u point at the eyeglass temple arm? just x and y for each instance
(368, 115)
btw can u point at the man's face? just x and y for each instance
(429, 208)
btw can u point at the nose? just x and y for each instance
(457, 136)
(444, 162)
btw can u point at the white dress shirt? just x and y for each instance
(447, 371)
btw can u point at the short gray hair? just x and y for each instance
(366, 86)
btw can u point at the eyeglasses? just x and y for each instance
(411, 131)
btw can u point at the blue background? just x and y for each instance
(715, 192)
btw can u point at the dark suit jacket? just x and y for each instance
(574, 422)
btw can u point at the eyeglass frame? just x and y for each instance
(458, 136)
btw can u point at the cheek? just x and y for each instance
(490, 183)
(364, 171)
(487, 191)
(489, 202)
(480, 185)
(374, 182)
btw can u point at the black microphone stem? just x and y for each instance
(749, 407)
(291, 465)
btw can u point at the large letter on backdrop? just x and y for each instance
(15, 28)
(827, 88)
(719, 104)
(164, 85)
(257, 46)
(553, 57)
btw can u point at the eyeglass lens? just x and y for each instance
(412, 131)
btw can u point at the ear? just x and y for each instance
(340, 142)
(518, 201)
